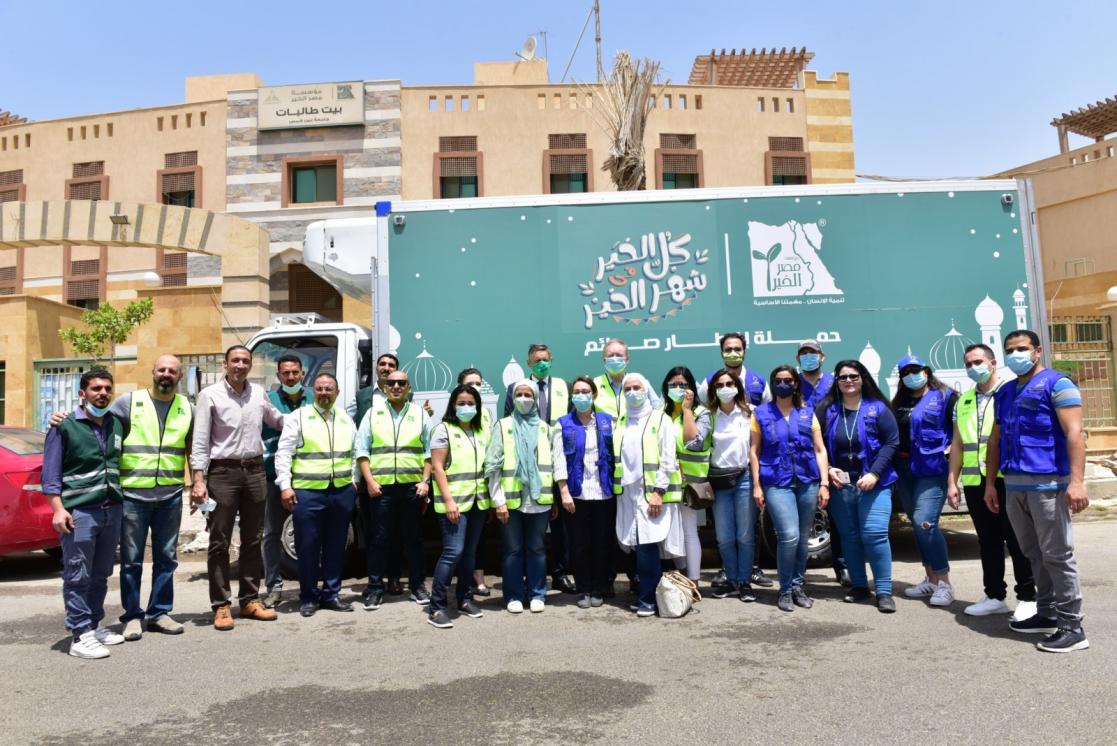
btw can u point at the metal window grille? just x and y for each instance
(178, 182)
(82, 267)
(789, 167)
(572, 141)
(85, 190)
(568, 164)
(9, 195)
(184, 159)
(77, 290)
(678, 142)
(457, 143)
(308, 292)
(680, 164)
(8, 178)
(173, 270)
(92, 168)
(458, 166)
(8, 276)
(794, 144)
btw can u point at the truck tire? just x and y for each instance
(289, 558)
(818, 545)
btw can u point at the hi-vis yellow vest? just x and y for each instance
(148, 457)
(608, 401)
(649, 445)
(466, 473)
(694, 465)
(509, 482)
(396, 453)
(325, 456)
(974, 444)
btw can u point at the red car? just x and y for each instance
(24, 514)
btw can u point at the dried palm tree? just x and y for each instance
(621, 106)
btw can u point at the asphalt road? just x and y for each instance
(730, 673)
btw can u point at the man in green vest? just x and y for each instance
(156, 424)
(81, 479)
(609, 399)
(973, 423)
(290, 395)
(314, 473)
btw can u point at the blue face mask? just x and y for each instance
(1020, 362)
(676, 393)
(291, 390)
(94, 411)
(615, 365)
(915, 381)
(635, 399)
(979, 373)
(465, 412)
(582, 402)
(782, 389)
(810, 361)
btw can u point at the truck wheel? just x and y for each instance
(818, 544)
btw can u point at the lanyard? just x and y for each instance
(850, 432)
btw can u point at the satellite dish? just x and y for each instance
(527, 52)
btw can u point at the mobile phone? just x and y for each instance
(843, 477)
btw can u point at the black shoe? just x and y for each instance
(372, 600)
(470, 609)
(308, 609)
(584, 602)
(841, 576)
(719, 579)
(562, 583)
(1036, 625)
(857, 595)
(335, 604)
(596, 601)
(801, 599)
(420, 596)
(723, 590)
(1064, 641)
(885, 603)
(744, 592)
(610, 591)
(395, 587)
(784, 602)
(440, 619)
(759, 578)
(481, 590)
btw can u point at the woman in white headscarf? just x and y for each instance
(647, 482)
(520, 470)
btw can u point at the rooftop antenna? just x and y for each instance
(527, 51)
(595, 13)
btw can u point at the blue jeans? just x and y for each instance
(88, 553)
(162, 519)
(923, 499)
(321, 520)
(524, 555)
(459, 550)
(792, 509)
(735, 516)
(649, 569)
(863, 520)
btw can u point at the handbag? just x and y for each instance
(724, 478)
(675, 595)
(698, 495)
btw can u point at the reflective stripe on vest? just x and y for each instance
(649, 456)
(150, 457)
(466, 473)
(974, 444)
(509, 482)
(693, 465)
(396, 455)
(325, 455)
(608, 401)
(90, 474)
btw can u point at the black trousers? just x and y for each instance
(562, 541)
(595, 535)
(993, 533)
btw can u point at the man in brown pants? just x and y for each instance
(228, 465)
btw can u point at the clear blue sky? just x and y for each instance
(939, 89)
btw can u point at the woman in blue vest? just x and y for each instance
(692, 437)
(788, 459)
(924, 408)
(861, 439)
(583, 449)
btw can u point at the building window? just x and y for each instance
(12, 188)
(786, 162)
(11, 277)
(458, 167)
(84, 279)
(313, 180)
(567, 164)
(172, 268)
(1092, 331)
(88, 182)
(180, 179)
(678, 162)
(1058, 332)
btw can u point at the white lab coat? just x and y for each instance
(634, 525)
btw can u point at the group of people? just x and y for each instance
(618, 471)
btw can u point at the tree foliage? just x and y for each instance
(107, 327)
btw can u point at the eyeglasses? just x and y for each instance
(850, 377)
(396, 384)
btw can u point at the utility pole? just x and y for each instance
(597, 38)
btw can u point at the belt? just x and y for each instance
(239, 463)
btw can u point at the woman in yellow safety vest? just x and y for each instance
(692, 448)
(648, 486)
(458, 447)
(520, 471)
(472, 377)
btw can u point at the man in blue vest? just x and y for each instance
(1039, 445)
(290, 395)
(81, 466)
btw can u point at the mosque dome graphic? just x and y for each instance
(950, 351)
(870, 358)
(512, 372)
(428, 373)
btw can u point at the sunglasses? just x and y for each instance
(850, 377)
(396, 384)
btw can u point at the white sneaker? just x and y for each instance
(87, 646)
(987, 607)
(943, 595)
(515, 607)
(1024, 610)
(926, 589)
(536, 605)
(106, 636)
(133, 630)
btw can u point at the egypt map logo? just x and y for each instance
(786, 263)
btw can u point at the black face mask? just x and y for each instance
(782, 389)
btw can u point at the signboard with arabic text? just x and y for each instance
(311, 105)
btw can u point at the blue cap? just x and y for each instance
(909, 360)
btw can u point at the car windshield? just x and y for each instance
(318, 355)
(21, 441)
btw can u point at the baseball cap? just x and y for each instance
(909, 360)
(810, 344)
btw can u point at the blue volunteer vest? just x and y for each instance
(931, 433)
(574, 449)
(813, 395)
(787, 446)
(868, 436)
(1032, 440)
(754, 387)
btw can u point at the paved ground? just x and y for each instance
(731, 673)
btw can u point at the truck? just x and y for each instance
(870, 271)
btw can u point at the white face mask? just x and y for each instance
(525, 404)
(727, 394)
